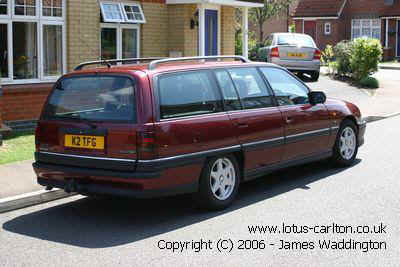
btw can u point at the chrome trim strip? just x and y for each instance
(87, 157)
(335, 127)
(195, 154)
(309, 133)
(263, 142)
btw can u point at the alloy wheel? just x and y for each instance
(222, 178)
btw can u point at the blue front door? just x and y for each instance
(398, 39)
(211, 32)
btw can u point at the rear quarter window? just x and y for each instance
(187, 94)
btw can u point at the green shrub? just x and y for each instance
(327, 55)
(342, 52)
(366, 53)
(369, 82)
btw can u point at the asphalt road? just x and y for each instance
(90, 232)
(381, 102)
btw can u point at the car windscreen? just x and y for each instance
(295, 39)
(93, 98)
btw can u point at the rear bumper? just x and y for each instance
(298, 65)
(91, 181)
(84, 188)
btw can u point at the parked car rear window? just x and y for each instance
(93, 98)
(295, 39)
(188, 94)
(251, 88)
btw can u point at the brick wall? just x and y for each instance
(299, 25)
(227, 30)
(154, 32)
(21, 102)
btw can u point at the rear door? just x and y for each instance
(190, 115)
(307, 127)
(257, 120)
(92, 116)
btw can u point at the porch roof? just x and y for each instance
(234, 3)
(318, 8)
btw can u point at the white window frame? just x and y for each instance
(40, 21)
(119, 28)
(102, 3)
(328, 28)
(126, 15)
(64, 54)
(43, 17)
(37, 6)
(8, 15)
(361, 27)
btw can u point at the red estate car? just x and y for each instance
(201, 127)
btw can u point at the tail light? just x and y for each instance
(317, 54)
(274, 52)
(147, 147)
(37, 137)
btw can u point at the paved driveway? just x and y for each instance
(94, 232)
(381, 102)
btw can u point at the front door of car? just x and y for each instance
(257, 120)
(307, 127)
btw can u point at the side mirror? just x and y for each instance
(317, 97)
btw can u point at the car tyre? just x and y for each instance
(219, 183)
(314, 76)
(346, 144)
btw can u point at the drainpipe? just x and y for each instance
(245, 32)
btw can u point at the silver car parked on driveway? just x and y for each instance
(294, 51)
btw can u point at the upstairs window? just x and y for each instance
(122, 13)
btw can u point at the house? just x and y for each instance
(278, 23)
(331, 21)
(42, 39)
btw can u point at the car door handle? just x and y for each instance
(242, 125)
(289, 120)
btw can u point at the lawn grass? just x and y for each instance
(17, 146)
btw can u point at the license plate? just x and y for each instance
(84, 141)
(298, 55)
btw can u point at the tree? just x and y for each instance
(271, 8)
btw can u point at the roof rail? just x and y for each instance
(154, 63)
(110, 61)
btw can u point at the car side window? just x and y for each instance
(288, 90)
(251, 88)
(231, 98)
(188, 94)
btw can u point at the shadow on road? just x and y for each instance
(100, 223)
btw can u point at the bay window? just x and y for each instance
(369, 28)
(32, 40)
(120, 32)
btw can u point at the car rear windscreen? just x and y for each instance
(93, 98)
(295, 39)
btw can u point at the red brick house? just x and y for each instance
(331, 21)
